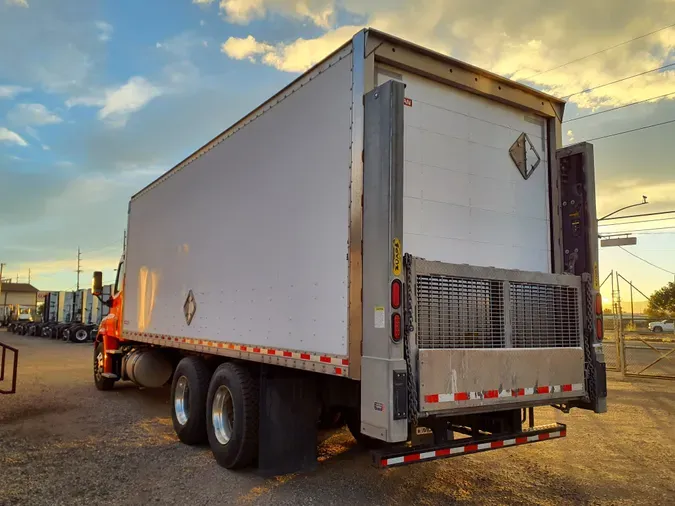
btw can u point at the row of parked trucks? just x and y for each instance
(70, 316)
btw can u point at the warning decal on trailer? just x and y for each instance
(398, 257)
(379, 317)
(407, 101)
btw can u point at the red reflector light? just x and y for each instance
(396, 293)
(599, 332)
(598, 304)
(396, 327)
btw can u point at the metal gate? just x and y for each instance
(633, 353)
(7, 380)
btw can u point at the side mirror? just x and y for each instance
(97, 283)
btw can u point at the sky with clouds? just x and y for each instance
(98, 98)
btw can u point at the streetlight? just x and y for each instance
(607, 241)
(644, 201)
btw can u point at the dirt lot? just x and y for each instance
(64, 442)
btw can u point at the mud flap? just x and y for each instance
(288, 422)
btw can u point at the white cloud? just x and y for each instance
(32, 132)
(295, 56)
(202, 2)
(32, 114)
(45, 148)
(498, 38)
(117, 104)
(320, 12)
(64, 164)
(182, 45)
(105, 31)
(7, 135)
(202, 22)
(127, 99)
(8, 91)
(18, 3)
(87, 101)
(248, 48)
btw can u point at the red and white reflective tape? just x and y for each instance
(470, 448)
(502, 394)
(342, 363)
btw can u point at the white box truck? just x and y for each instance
(396, 241)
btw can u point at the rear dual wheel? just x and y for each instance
(232, 416)
(221, 407)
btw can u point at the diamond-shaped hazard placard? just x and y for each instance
(189, 307)
(524, 155)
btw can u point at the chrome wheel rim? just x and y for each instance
(223, 415)
(81, 335)
(181, 400)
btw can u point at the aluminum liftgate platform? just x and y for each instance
(487, 340)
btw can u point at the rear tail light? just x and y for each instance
(396, 327)
(396, 293)
(599, 332)
(598, 304)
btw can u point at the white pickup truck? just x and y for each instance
(662, 326)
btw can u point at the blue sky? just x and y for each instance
(97, 98)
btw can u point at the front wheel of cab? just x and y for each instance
(101, 382)
(232, 416)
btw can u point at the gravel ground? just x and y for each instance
(64, 442)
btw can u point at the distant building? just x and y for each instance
(18, 298)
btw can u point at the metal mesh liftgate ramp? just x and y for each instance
(464, 306)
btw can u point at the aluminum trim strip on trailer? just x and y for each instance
(472, 446)
(496, 393)
(322, 363)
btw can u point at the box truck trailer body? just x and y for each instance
(395, 219)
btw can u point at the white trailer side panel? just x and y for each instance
(464, 199)
(257, 229)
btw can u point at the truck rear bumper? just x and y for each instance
(403, 456)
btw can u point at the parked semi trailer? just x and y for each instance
(396, 240)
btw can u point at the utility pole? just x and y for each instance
(29, 275)
(79, 254)
(2, 266)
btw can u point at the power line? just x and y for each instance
(639, 215)
(599, 52)
(620, 80)
(100, 248)
(634, 222)
(647, 261)
(623, 232)
(619, 107)
(630, 131)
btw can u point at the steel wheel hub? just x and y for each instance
(223, 415)
(181, 400)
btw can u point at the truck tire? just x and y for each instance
(189, 389)
(79, 335)
(101, 382)
(232, 416)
